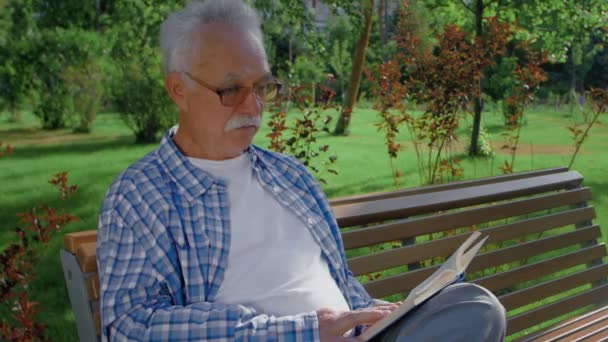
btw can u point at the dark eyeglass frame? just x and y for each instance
(240, 96)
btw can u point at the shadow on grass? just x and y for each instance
(76, 147)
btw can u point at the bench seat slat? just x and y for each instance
(590, 331)
(556, 309)
(72, 241)
(394, 208)
(598, 333)
(567, 327)
(404, 283)
(408, 228)
(529, 295)
(441, 187)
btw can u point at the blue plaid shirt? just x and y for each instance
(163, 245)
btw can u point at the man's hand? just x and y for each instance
(333, 325)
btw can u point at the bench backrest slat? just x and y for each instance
(445, 246)
(73, 240)
(92, 284)
(395, 208)
(543, 268)
(407, 228)
(442, 187)
(525, 296)
(86, 255)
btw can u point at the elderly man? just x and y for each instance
(211, 238)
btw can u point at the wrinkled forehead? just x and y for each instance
(228, 53)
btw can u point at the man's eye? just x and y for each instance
(231, 90)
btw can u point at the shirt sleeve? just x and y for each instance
(141, 293)
(356, 292)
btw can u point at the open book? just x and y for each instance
(450, 272)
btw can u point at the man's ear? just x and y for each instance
(176, 88)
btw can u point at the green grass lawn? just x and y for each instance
(94, 160)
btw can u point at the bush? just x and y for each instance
(65, 61)
(140, 98)
(86, 90)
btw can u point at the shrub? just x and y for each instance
(85, 85)
(17, 262)
(63, 66)
(140, 98)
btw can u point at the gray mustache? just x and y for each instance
(239, 121)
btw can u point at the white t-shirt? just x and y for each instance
(274, 263)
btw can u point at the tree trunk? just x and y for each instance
(355, 75)
(382, 22)
(477, 106)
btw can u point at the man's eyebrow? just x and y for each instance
(266, 77)
(234, 77)
(231, 77)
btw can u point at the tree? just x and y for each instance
(357, 69)
(16, 74)
(571, 32)
(339, 43)
(138, 93)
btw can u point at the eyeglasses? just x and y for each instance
(235, 95)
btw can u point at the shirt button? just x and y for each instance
(310, 220)
(276, 189)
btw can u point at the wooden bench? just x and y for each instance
(543, 258)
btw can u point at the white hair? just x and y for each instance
(176, 33)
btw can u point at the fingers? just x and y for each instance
(386, 306)
(351, 319)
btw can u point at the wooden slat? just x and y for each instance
(582, 331)
(532, 248)
(97, 321)
(86, 256)
(404, 229)
(532, 294)
(567, 327)
(92, 284)
(401, 207)
(71, 241)
(405, 255)
(561, 307)
(437, 223)
(407, 281)
(591, 334)
(445, 246)
(442, 187)
(524, 273)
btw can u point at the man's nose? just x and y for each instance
(252, 104)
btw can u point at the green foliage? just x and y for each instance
(141, 99)
(137, 91)
(499, 81)
(68, 13)
(16, 73)
(341, 44)
(58, 51)
(484, 143)
(85, 84)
